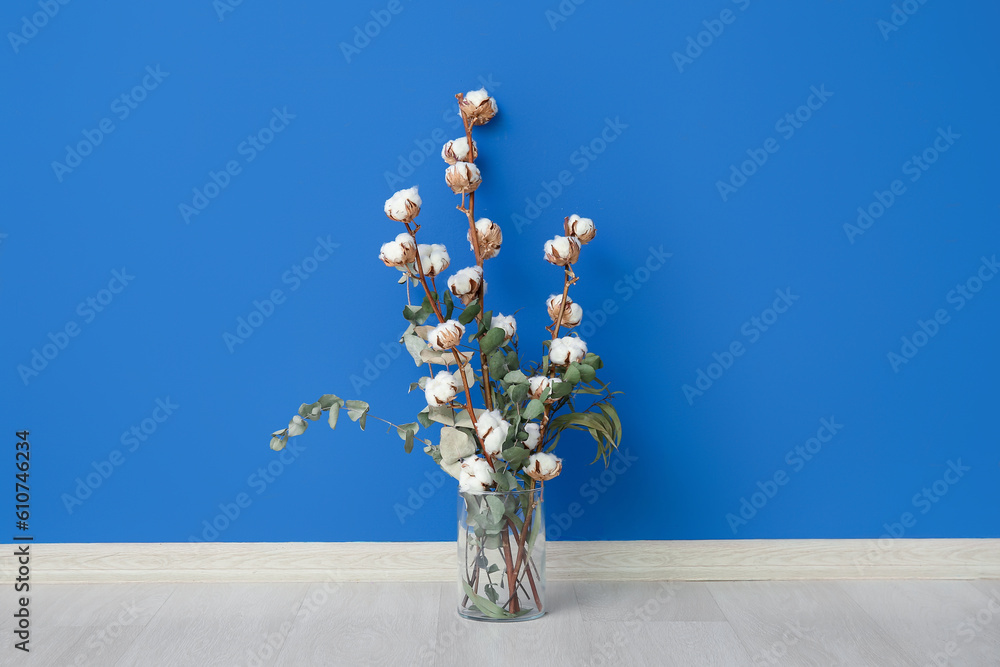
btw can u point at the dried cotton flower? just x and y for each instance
(567, 350)
(441, 389)
(400, 252)
(474, 476)
(457, 150)
(445, 335)
(478, 106)
(463, 177)
(492, 430)
(543, 467)
(403, 206)
(562, 250)
(489, 236)
(582, 229)
(434, 258)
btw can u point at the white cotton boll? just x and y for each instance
(441, 389)
(477, 97)
(567, 350)
(463, 177)
(582, 229)
(542, 466)
(297, 426)
(489, 236)
(466, 281)
(400, 252)
(562, 250)
(573, 316)
(474, 476)
(570, 312)
(492, 430)
(434, 258)
(534, 432)
(457, 150)
(445, 335)
(507, 323)
(538, 384)
(404, 205)
(478, 106)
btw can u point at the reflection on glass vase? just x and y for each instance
(501, 555)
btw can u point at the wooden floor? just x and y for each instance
(852, 623)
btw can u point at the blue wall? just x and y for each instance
(723, 148)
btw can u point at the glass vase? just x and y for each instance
(501, 555)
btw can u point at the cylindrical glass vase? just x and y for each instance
(501, 555)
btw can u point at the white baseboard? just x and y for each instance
(707, 560)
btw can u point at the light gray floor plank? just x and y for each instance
(558, 638)
(215, 624)
(609, 601)
(805, 623)
(799, 623)
(934, 621)
(362, 624)
(667, 643)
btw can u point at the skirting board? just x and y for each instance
(708, 560)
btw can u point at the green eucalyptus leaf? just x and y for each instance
(587, 373)
(593, 361)
(326, 401)
(424, 418)
(572, 374)
(334, 415)
(449, 305)
(513, 363)
(515, 377)
(491, 341)
(534, 409)
(497, 364)
(516, 456)
(469, 313)
(561, 389)
(518, 392)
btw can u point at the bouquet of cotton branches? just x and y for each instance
(502, 446)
